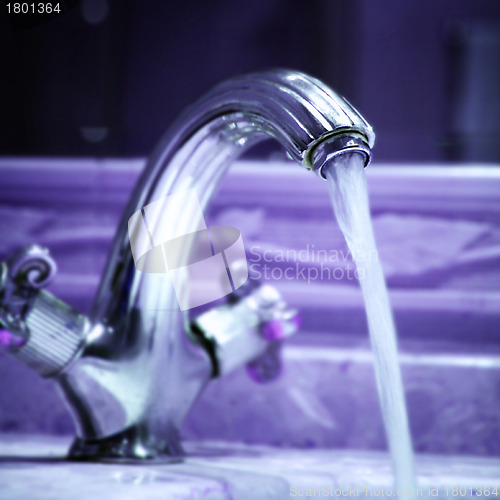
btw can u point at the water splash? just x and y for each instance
(349, 195)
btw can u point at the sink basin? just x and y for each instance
(33, 467)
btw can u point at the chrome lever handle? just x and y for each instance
(249, 330)
(22, 275)
(36, 327)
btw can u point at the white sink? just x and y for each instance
(33, 467)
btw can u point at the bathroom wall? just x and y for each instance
(107, 78)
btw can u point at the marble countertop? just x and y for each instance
(33, 466)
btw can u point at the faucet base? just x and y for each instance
(133, 445)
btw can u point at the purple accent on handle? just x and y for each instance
(8, 339)
(262, 372)
(267, 366)
(273, 330)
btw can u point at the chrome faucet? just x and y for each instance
(131, 370)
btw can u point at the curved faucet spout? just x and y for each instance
(141, 367)
(311, 122)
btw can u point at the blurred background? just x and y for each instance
(108, 77)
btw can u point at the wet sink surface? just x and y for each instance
(34, 467)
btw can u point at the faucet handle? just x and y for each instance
(38, 329)
(32, 267)
(248, 331)
(279, 322)
(267, 367)
(21, 276)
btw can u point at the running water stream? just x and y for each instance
(349, 195)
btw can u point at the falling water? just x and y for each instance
(349, 195)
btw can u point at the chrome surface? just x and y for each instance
(326, 151)
(241, 330)
(21, 276)
(46, 333)
(141, 368)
